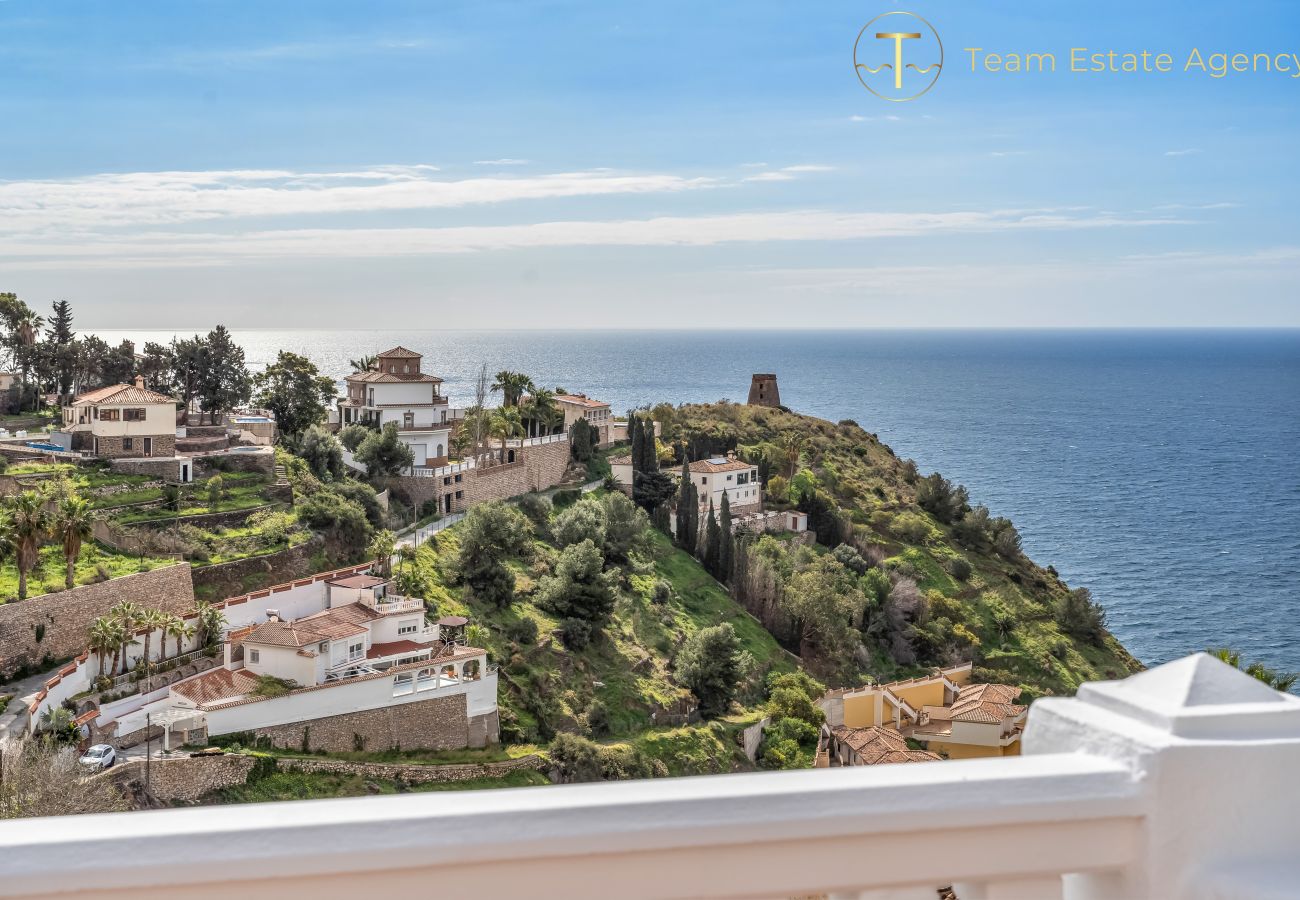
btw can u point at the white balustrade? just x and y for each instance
(1177, 783)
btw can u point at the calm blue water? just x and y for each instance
(1160, 469)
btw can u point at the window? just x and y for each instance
(128, 443)
(357, 650)
(254, 656)
(728, 477)
(460, 495)
(410, 627)
(133, 415)
(704, 479)
(446, 479)
(408, 420)
(742, 478)
(458, 478)
(109, 415)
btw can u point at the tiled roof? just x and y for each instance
(373, 377)
(359, 581)
(217, 684)
(710, 466)
(876, 745)
(122, 393)
(329, 625)
(580, 400)
(988, 703)
(392, 648)
(398, 353)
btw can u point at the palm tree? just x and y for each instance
(540, 410)
(381, 549)
(210, 622)
(27, 526)
(127, 615)
(512, 386)
(152, 620)
(105, 637)
(178, 628)
(506, 425)
(73, 524)
(364, 364)
(474, 428)
(792, 444)
(405, 554)
(1278, 681)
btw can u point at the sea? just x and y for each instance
(1158, 468)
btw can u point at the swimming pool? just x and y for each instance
(252, 420)
(39, 445)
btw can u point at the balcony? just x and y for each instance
(393, 603)
(1175, 783)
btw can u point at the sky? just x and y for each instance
(672, 165)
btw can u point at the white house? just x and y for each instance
(736, 478)
(395, 390)
(334, 657)
(596, 412)
(122, 420)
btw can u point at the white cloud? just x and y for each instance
(808, 168)
(186, 249)
(1191, 151)
(502, 162)
(770, 176)
(160, 199)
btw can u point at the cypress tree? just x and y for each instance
(683, 507)
(712, 543)
(634, 438)
(726, 542)
(693, 522)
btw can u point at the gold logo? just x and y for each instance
(884, 40)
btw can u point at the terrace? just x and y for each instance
(1173, 783)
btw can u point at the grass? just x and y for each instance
(95, 563)
(315, 786)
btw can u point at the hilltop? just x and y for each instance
(943, 580)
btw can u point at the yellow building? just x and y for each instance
(943, 711)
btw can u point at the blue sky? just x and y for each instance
(488, 164)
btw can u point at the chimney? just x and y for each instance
(139, 381)
(272, 615)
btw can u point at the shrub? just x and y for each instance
(352, 436)
(851, 559)
(333, 513)
(712, 665)
(536, 507)
(1080, 616)
(959, 567)
(912, 528)
(578, 759)
(583, 521)
(580, 588)
(941, 498)
(575, 633)
(522, 631)
(566, 497)
(364, 496)
(662, 592)
(491, 534)
(322, 452)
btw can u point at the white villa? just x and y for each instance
(596, 412)
(717, 476)
(122, 420)
(395, 390)
(325, 661)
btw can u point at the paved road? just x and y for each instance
(24, 691)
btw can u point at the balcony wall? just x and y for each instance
(1175, 783)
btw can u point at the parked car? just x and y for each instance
(100, 756)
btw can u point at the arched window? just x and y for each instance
(472, 670)
(440, 450)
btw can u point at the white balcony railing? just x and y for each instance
(393, 603)
(1176, 783)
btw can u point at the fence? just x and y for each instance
(1173, 783)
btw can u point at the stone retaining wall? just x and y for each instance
(412, 774)
(185, 779)
(535, 469)
(439, 723)
(66, 616)
(242, 575)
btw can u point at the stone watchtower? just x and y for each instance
(763, 391)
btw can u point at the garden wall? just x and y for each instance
(185, 779)
(411, 774)
(66, 616)
(242, 575)
(536, 469)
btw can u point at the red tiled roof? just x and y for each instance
(328, 625)
(217, 684)
(876, 745)
(398, 352)
(122, 393)
(580, 400)
(373, 377)
(709, 467)
(987, 703)
(393, 648)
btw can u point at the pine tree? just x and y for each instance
(62, 345)
(726, 542)
(712, 544)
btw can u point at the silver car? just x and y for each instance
(100, 756)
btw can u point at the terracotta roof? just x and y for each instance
(216, 684)
(122, 393)
(580, 400)
(392, 648)
(329, 625)
(876, 745)
(359, 581)
(373, 377)
(398, 353)
(988, 703)
(719, 464)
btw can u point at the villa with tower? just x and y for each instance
(395, 390)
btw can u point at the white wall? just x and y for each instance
(405, 392)
(159, 418)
